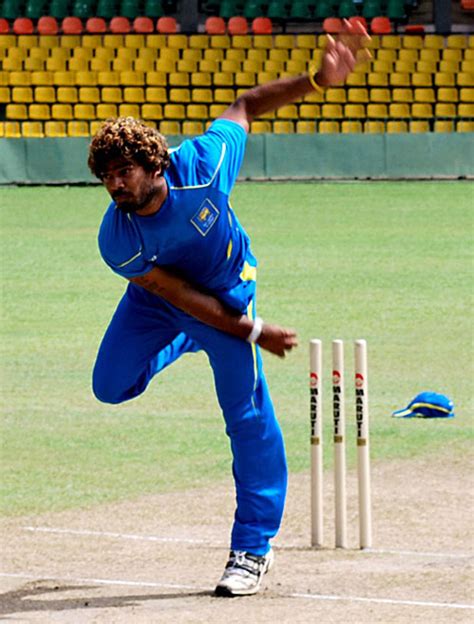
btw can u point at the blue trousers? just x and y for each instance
(147, 334)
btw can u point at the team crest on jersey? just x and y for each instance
(205, 217)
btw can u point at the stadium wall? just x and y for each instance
(269, 156)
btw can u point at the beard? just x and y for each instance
(132, 204)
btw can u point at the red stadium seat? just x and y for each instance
(262, 26)
(96, 25)
(47, 25)
(71, 25)
(120, 25)
(358, 19)
(4, 27)
(380, 26)
(143, 25)
(414, 29)
(167, 25)
(23, 26)
(215, 25)
(332, 25)
(237, 25)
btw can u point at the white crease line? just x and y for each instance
(186, 540)
(129, 536)
(391, 601)
(113, 582)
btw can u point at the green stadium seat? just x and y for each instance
(372, 8)
(299, 10)
(347, 8)
(323, 9)
(58, 9)
(396, 9)
(82, 8)
(154, 8)
(228, 9)
(252, 9)
(34, 9)
(106, 9)
(10, 9)
(129, 8)
(277, 10)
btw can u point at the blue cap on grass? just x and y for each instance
(427, 405)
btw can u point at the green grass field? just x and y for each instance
(389, 262)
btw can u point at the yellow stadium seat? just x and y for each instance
(187, 65)
(221, 79)
(200, 42)
(165, 65)
(264, 77)
(60, 53)
(45, 95)
(214, 54)
(305, 127)
(40, 53)
(12, 129)
(132, 79)
(156, 41)
(204, 96)
(13, 64)
(32, 129)
(197, 111)
(84, 111)
(375, 79)
(22, 95)
(396, 127)
(374, 127)
(377, 111)
(298, 54)
(426, 67)
(241, 41)
(421, 110)
(351, 127)
(328, 127)
(432, 56)
(466, 110)
(382, 67)
(112, 95)
(107, 54)
(452, 55)
(465, 126)
(467, 66)
(444, 80)
(374, 42)
(179, 96)
(381, 96)
(192, 54)
(192, 128)
(443, 125)
(447, 95)
(16, 111)
(62, 111)
(174, 111)
(216, 110)
(284, 41)
(179, 42)
(70, 41)
(245, 79)
(178, 79)
(391, 41)
(362, 68)
(317, 55)
(143, 65)
(224, 95)
(134, 95)
(273, 65)
(419, 126)
(95, 41)
(253, 66)
(306, 41)
(209, 66)
(34, 64)
(421, 80)
(64, 79)
(465, 79)
(404, 67)
(41, 78)
(456, 41)
(39, 111)
(156, 79)
(94, 126)
(400, 80)
(412, 41)
(152, 111)
(410, 55)
(399, 110)
(27, 41)
(335, 95)
(386, 54)
(332, 111)
(108, 41)
(424, 95)
(358, 95)
(82, 53)
(136, 41)
(170, 127)
(448, 67)
(18, 79)
(283, 127)
(466, 95)
(220, 41)
(470, 41)
(445, 109)
(122, 65)
(356, 80)
(55, 129)
(355, 111)
(78, 64)
(469, 54)
(263, 41)
(201, 79)
(309, 111)
(103, 111)
(289, 111)
(434, 41)
(231, 65)
(5, 95)
(90, 79)
(314, 97)
(54, 64)
(7, 41)
(276, 55)
(129, 110)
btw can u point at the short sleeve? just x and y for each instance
(120, 246)
(213, 158)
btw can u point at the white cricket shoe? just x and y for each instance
(243, 573)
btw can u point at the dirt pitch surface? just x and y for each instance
(157, 559)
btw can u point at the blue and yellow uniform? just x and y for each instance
(197, 234)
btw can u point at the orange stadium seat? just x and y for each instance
(47, 25)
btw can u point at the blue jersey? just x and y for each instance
(195, 231)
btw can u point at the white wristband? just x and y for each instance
(256, 330)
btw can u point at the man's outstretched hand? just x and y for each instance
(278, 340)
(341, 54)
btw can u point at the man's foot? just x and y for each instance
(243, 573)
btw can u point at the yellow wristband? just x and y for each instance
(311, 75)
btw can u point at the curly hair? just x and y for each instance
(129, 138)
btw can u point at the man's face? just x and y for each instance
(129, 184)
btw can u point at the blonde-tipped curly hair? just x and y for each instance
(129, 138)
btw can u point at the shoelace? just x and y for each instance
(241, 562)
